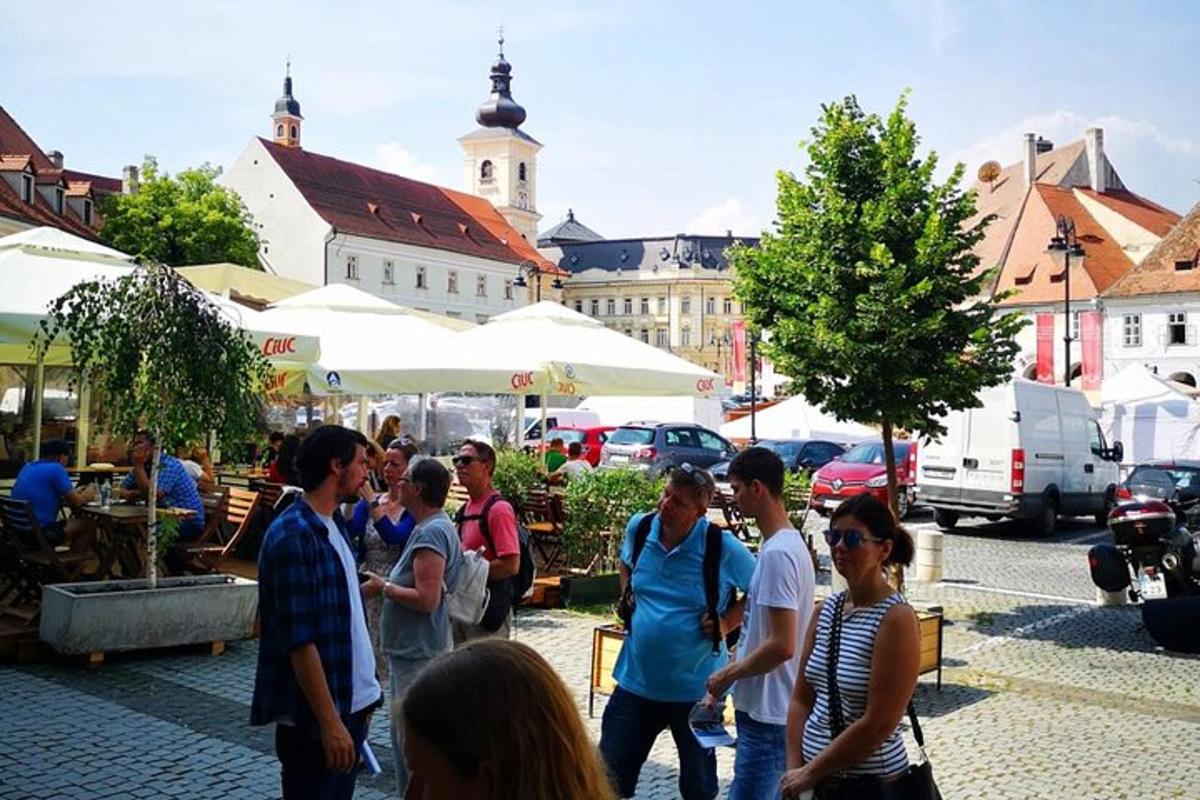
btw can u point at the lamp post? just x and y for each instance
(533, 271)
(1066, 241)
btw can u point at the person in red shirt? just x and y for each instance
(473, 466)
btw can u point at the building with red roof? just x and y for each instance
(325, 220)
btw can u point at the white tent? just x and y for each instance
(796, 418)
(1150, 416)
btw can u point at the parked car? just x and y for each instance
(592, 438)
(654, 448)
(807, 455)
(1169, 481)
(863, 468)
(555, 418)
(1030, 451)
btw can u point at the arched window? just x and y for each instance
(279, 131)
(485, 171)
(295, 133)
(521, 171)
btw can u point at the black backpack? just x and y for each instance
(711, 570)
(505, 593)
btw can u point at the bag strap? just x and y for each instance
(837, 723)
(640, 535)
(712, 577)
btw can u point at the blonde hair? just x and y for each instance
(499, 701)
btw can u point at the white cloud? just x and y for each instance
(731, 214)
(392, 157)
(938, 21)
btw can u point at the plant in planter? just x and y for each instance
(516, 473)
(598, 506)
(161, 355)
(797, 488)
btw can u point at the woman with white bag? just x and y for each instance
(415, 624)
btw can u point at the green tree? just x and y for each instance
(162, 356)
(180, 221)
(869, 285)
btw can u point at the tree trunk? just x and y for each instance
(895, 572)
(152, 517)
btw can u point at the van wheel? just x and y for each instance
(1109, 504)
(946, 520)
(1048, 519)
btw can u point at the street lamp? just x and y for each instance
(533, 271)
(1065, 241)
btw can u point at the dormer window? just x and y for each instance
(521, 171)
(486, 171)
(59, 197)
(27, 188)
(87, 212)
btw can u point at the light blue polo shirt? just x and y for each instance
(667, 657)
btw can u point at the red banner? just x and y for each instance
(739, 350)
(1090, 344)
(1045, 348)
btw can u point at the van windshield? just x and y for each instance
(631, 436)
(873, 453)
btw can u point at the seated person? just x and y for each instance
(46, 484)
(198, 464)
(274, 442)
(574, 466)
(555, 457)
(175, 487)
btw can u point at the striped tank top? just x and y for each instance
(853, 676)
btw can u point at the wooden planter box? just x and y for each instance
(608, 639)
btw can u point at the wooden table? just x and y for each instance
(89, 474)
(123, 529)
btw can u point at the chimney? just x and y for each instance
(129, 179)
(1097, 163)
(1044, 145)
(56, 158)
(1030, 160)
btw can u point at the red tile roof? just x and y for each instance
(1157, 274)
(1139, 210)
(380, 205)
(100, 183)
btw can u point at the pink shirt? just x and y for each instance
(502, 525)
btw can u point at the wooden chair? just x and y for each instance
(734, 521)
(216, 505)
(543, 517)
(238, 518)
(34, 561)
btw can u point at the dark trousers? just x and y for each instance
(302, 763)
(631, 724)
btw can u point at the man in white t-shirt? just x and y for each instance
(574, 466)
(778, 609)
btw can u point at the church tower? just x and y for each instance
(286, 119)
(501, 159)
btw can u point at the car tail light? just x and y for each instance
(912, 460)
(1018, 470)
(1123, 493)
(646, 453)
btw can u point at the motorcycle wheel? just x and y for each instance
(1174, 623)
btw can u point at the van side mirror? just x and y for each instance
(1117, 452)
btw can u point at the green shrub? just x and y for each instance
(796, 489)
(516, 473)
(601, 502)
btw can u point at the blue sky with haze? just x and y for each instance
(656, 117)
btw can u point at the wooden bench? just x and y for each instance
(543, 517)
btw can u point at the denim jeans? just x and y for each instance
(760, 761)
(302, 763)
(631, 724)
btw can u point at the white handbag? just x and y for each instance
(467, 599)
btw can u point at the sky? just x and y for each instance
(656, 117)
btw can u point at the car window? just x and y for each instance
(873, 453)
(632, 436)
(1151, 476)
(1095, 438)
(1185, 478)
(824, 451)
(680, 437)
(710, 441)
(785, 450)
(568, 435)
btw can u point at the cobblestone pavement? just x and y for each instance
(1044, 696)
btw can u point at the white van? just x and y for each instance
(1031, 451)
(556, 418)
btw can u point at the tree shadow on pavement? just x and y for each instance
(932, 702)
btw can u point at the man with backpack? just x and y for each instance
(488, 521)
(679, 578)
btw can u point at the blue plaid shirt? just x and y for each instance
(179, 490)
(302, 599)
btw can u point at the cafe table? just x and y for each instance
(123, 531)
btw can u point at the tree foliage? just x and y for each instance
(869, 286)
(597, 508)
(180, 221)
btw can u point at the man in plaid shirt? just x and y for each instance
(316, 669)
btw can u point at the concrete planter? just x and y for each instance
(109, 616)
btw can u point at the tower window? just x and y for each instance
(389, 272)
(295, 132)
(421, 284)
(452, 282)
(521, 171)
(352, 268)
(486, 171)
(279, 131)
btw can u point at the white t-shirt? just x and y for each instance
(366, 688)
(192, 468)
(783, 578)
(573, 469)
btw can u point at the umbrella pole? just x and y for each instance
(422, 418)
(83, 426)
(39, 387)
(519, 425)
(361, 422)
(545, 438)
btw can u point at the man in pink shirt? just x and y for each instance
(473, 466)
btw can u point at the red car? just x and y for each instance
(592, 438)
(864, 469)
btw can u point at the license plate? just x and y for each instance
(1152, 587)
(832, 502)
(615, 459)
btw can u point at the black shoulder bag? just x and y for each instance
(915, 783)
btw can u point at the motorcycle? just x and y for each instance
(1155, 558)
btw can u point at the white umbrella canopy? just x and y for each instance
(545, 348)
(796, 418)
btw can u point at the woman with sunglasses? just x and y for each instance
(878, 653)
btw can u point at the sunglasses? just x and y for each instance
(852, 539)
(698, 476)
(462, 461)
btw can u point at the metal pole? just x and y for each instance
(753, 388)
(1067, 314)
(39, 388)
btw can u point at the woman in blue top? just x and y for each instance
(381, 526)
(878, 655)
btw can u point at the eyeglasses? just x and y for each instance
(462, 461)
(403, 440)
(852, 539)
(697, 475)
